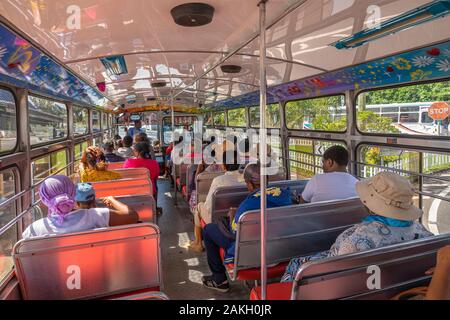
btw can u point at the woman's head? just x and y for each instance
(389, 195)
(58, 195)
(94, 158)
(141, 137)
(142, 150)
(252, 176)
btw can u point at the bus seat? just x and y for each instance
(226, 197)
(401, 267)
(144, 205)
(190, 173)
(181, 173)
(133, 173)
(115, 165)
(203, 184)
(91, 264)
(292, 231)
(123, 187)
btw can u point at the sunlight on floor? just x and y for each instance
(168, 194)
(183, 240)
(195, 276)
(192, 262)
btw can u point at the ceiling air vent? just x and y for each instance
(230, 68)
(158, 84)
(192, 14)
(151, 99)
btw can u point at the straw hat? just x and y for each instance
(390, 195)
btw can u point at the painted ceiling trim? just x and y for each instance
(23, 65)
(429, 63)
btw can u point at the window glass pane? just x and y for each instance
(275, 145)
(208, 119)
(272, 116)
(236, 118)
(181, 123)
(305, 156)
(9, 238)
(8, 126)
(105, 121)
(151, 125)
(219, 119)
(325, 114)
(80, 121)
(48, 120)
(375, 110)
(79, 148)
(48, 165)
(95, 121)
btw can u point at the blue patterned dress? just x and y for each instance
(374, 232)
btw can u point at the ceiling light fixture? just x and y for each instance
(193, 14)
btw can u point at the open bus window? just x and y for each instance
(8, 123)
(411, 164)
(403, 110)
(79, 148)
(305, 156)
(182, 124)
(324, 114)
(48, 120)
(80, 121)
(219, 119)
(9, 238)
(208, 119)
(272, 116)
(95, 121)
(237, 118)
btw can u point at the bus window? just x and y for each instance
(219, 119)
(305, 156)
(237, 118)
(272, 116)
(410, 117)
(96, 142)
(105, 126)
(408, 101)
(95, 121)
(79, 148)
(275, 145)
(80, 121)
(9, 238)
(208, 119)
(182, 123)
(324, 114)
(8, 125)
(48, 120)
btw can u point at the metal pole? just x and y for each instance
(263, 140)
(174, 171)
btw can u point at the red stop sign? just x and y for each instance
(439, 111)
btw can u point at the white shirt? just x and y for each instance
(330, 186)
(76, 221)
(230, 178)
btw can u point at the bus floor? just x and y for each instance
(182, 269)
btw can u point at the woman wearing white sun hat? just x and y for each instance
(393, 219)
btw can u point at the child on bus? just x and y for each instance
(93, 166)
(72, 209)
(125, 150)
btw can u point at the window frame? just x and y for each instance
(88, 131)
(245, 116)
(224, 119)
(249, 120)
(394, 135)
(34, 146)
(16, 109)
(340, 94)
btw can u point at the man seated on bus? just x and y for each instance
(72, 209)
(231, 177)
(126, 151)
(110, 156)
(136, 129)
(335, 183)
(223, 234)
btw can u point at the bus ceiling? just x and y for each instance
(138, 58)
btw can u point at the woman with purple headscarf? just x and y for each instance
(72, 209)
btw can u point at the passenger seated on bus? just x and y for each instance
(60, 195)
(231, 177)
(223, 234)
(142, 160)
(142, 137)
(126, 151)
(93, 166)
(110, 156)
(393, 219)
(335, 183)
(439, 288)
